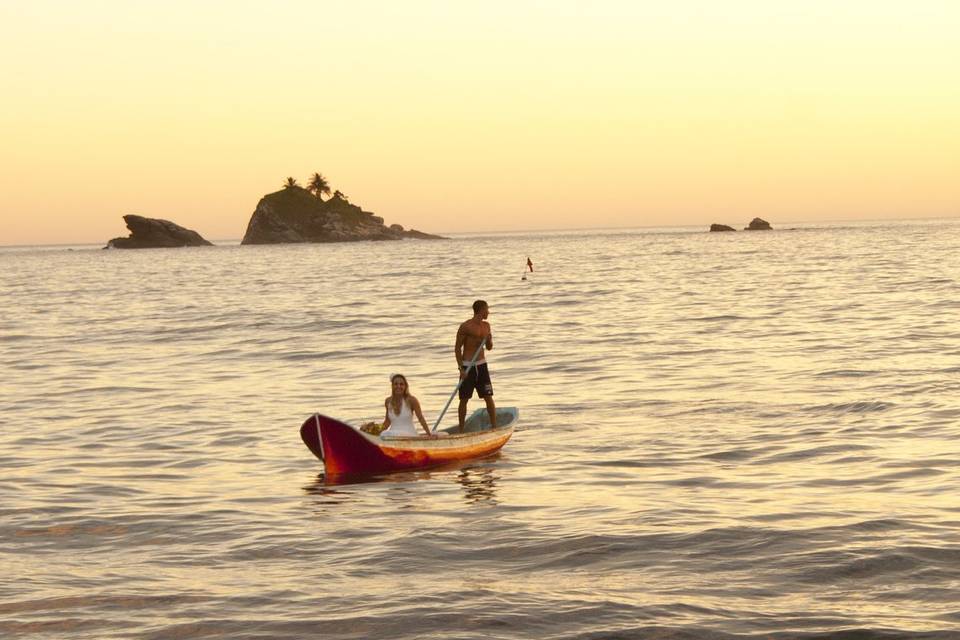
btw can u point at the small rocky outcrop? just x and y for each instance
(153, 233)
(758, 224)
(419, 235)
(721, 227)
(295, 215)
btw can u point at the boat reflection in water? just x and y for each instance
(479, 483)
(477, 478)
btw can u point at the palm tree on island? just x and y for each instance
(290, 183)
(318, 185)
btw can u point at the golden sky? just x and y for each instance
(453, 116)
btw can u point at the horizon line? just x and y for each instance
(562, 229)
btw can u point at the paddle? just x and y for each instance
(459, 384)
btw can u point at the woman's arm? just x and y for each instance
(415, 405)
(386, 418)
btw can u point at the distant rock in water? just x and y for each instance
(152, 233)
(758, 224)
(721, 227)
(420, 235)
(295, 215)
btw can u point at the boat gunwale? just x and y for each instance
(412, 441)
(447, 438)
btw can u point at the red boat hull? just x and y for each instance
(345, 450)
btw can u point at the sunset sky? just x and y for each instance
(454, 117)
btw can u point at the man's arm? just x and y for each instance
(489, 340)
(458, 347)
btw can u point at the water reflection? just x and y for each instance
(327, 494)
(479, 484)
(322, 489)
(342, 479)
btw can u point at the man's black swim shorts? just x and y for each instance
(478, 379)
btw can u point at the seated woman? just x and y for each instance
(400, 409)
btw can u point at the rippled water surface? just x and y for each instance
(749, 435)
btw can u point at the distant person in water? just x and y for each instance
(401, 407)
(473, 338)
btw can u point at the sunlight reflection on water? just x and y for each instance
(726, 434)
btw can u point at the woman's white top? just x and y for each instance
(401, 424)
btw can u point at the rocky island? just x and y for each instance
(152, 233)
(757, 224)
(296, 214)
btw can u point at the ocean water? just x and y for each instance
(750, 435)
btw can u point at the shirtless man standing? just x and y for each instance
(472, 334)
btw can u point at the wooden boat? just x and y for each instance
(347, 450)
